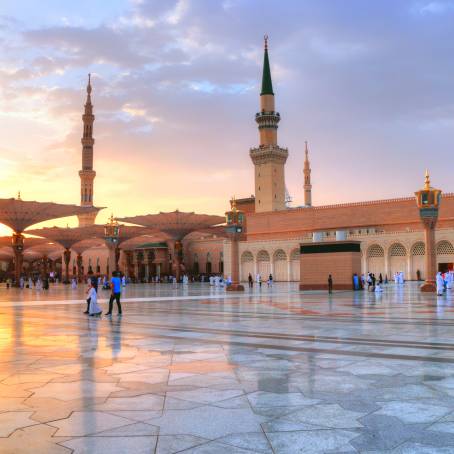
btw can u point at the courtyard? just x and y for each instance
(193, 369)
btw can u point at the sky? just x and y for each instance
(370, 86)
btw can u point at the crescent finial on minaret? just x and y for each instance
(427, 180)
(89, 83)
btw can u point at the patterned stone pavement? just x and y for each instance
(194, 370)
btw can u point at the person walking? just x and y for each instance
(330, 284)
(440, 284)
(115, 284)
(92, 282)
(94, 308)
(250, 280)
(270, 280)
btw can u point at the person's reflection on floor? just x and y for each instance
(115, 332)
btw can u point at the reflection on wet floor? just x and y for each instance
(192, 369)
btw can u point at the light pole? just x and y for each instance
(111, 236)
(428, 201)
(234, 229)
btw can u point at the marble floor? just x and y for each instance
(195, 370)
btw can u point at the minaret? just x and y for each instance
(307, 179)
(87, 174)
(269, 159)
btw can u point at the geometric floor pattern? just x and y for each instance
(191, 369)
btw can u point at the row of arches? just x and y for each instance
(282, 266)
(209, 265)
(410, 260)
(376, 258)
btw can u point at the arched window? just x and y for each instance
(418, 249)
(397, 250)
(247, 257)
(263, 256)
(445, 248)
(279, 255)
(375, 251)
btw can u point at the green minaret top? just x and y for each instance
(267, 85)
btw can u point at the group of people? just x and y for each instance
(101, 281)
(38, 283)
(217, 281)
(93, 307)
(444, 282)
(369, 281)
(258, 280)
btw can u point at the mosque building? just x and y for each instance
(390, 231)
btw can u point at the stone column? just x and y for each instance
(431, 255)
(235, 264)
(67, 259)
(289, 269)
(45, 260)
(117, 258)
(177, 256)
(112, 257)
(129, 264)
(18, 248)
(79, 264)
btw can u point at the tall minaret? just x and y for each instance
(307, 179)
(87, 174)
(269, 159)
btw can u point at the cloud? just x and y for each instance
(176, 85)
(435, 7)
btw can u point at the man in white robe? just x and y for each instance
(440, 284)
(449, 280)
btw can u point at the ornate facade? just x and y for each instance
(390, 231)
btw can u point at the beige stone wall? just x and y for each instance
(94, 256)
(390, 215)
(269, 187)
(199, 249)
(315, 269)
(275, 252)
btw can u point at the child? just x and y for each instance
(94, 309)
